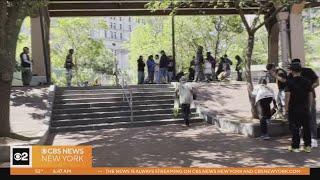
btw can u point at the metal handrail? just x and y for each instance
(125, 89)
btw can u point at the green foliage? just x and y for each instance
(91, 57)
(155, 35)
(311, 37)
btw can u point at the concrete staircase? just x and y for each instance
(92, 108)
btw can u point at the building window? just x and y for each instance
(120, 26)
(115, 35)
(114, 26)
(130, 28)
(111, 34)
(121, 36)
(111, 26)
(129, 19)
(120, 18)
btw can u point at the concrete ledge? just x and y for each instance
(276, 128)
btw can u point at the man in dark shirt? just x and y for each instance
(26, 72)
(298, 98)
(310, 75)
(141, 66)
(170, 69)
(69, 66)
(163, 66)
(280, 75)
(213, 62)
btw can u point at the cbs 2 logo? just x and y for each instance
(21, 156)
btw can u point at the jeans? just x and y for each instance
(297, 119)
(208, 77)
(170, 76)
(264, 111)
(186, 112)
(150, 76)
(69, 76)
(163, 75)
(313, 120)
(157, 76)
(140, 77)
(281, 100)
(26, 76)
(239, 76)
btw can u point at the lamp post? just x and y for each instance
(115, 72)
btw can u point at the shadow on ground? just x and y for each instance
(201, 145)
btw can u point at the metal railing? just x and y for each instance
(126, 92)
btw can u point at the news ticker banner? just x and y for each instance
(77, 160)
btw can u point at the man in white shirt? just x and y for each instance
(26, 67)
(185, 92)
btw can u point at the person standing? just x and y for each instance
(208, 70)
(310, 75)
(185, 93)
(163, 67)
(280, 75)
(170, 69)
(264, 95)
(141, 66)
(157, 69)
(26, 63)
(297, 107)
(151, 66)
(213, 62)
(226, 66)
(239, 67)
(198, 65)
(69, 66)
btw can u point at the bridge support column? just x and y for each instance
(284, 38)
(40, 48)
(296, 33)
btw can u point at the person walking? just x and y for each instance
(69, 66)
(141, 66)
(26, 63)
(151, 67)
(239, 67)
(264, 95)
(298, 99)
(185, 93)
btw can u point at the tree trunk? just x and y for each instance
(7, 66)
(248, 61)
(4, 108)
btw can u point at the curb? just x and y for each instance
(250, 129)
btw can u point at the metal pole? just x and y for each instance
(173, 45)
(131, 104)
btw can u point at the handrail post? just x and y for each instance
(131, 106)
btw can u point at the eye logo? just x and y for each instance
(21, 156)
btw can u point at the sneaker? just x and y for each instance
(268, 121)
(265, 137)
(307, 149)
(293, 149)
(314, 143)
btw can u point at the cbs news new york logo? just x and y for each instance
(21, 156)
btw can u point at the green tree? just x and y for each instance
(91, 56)
(12, 14)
